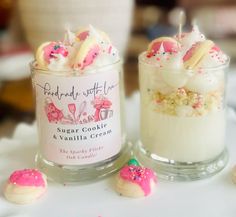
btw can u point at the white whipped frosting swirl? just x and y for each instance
(193, 51)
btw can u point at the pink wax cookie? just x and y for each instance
(162, 45)
(52, 54)
(25, 186)
(135, 181)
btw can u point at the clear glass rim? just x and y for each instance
(215, 68)
(71, 72)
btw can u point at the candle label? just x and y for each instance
(78, 116)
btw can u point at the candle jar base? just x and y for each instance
(80, 118)
(180, 171)
(66, 174)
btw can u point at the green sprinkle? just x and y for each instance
(133, 162)
(56, 47)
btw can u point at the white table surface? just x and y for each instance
(213, 197)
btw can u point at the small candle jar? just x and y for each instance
(182, 129)
(80, 120)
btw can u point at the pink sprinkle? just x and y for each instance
(27, 177)
(215, 48)
(109, 49)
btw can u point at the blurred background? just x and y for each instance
(24, 24)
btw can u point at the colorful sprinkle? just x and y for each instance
(139, 175)
(133, 162)
(27, 177)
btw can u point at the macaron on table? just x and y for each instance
(100, 198)
(135, 181)
(86, 167)
(25, 186)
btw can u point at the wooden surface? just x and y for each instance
(17, 94)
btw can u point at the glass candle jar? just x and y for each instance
(182, 131)
(80, 120)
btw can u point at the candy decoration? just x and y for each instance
(133, 162)
(140, 176)
(88, 51)
(25, 186)
(48, 51)
(77, 51)
(169, 45)
(52, 49)
(195, 54)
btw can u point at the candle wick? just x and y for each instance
(181, 20)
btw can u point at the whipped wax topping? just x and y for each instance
(185, 61)
(84, 50)
(189, 51)
(184, 74)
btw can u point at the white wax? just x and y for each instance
(180, 138)
(184, 139)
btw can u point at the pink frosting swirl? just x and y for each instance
(27, 177)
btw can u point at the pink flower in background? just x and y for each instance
(72, 108)
(99, 103)
(53, 113)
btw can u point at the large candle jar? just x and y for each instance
(79, 96)
(182, 87)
